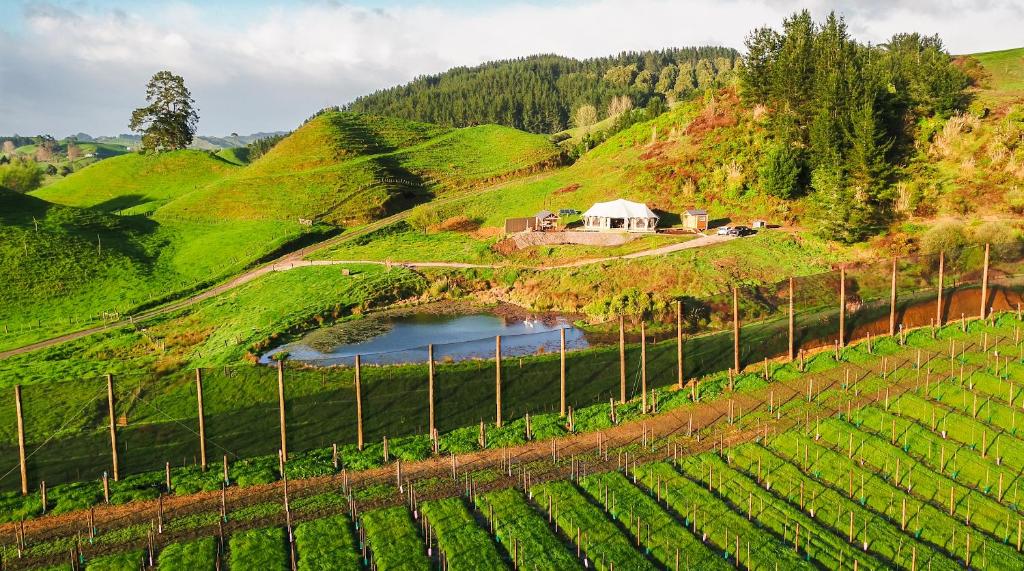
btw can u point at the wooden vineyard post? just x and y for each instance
(984, 286)
(359, 403)
(497, 381)
(842, 306)
(202, 419)
(679, 344)
(561, 372)
(643, 367)
(21, 442)
(892, 300)
(280, 409)
(938, 302)
(736, 329)
(792, 339)
(622, 360)
(113, 426)
(430, 387)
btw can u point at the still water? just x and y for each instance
(455, 338)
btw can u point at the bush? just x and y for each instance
(779, 171)
(1004, 239)
(944, 236)
(20, 176)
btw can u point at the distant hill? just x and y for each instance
(201, 142)
(540, 93)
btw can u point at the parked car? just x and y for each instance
(568, 212)
(741, 231)
(723, 230)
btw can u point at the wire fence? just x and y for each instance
(156, 417)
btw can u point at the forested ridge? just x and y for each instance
(541, 93)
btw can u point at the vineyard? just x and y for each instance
(903, 452)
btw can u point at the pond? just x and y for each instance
(455, 338)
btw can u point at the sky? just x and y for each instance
(81, 65)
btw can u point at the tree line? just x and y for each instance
(844, 114)
(542, 93)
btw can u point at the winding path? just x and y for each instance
(297, 259)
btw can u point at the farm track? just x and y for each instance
(530, 463)
(297, 259)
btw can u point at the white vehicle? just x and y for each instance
(723, 230)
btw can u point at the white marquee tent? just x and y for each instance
(620, 216)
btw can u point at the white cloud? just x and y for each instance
(83, 68)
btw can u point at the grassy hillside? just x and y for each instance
(136, 182)
(345, 168)
(1006, 68)
(63, 268)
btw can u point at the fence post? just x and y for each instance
(280, 408)
(892, 300)
(21, 442)
(202, 418)
(735, 329)
(113, 426)
(792, 339)
(359, 403)
(497, 381)
(622, 360)
(842, 306)
(679, 343)
(643, 367)
(984, 286)
(938, 302)
(561, 372)
(430, 386)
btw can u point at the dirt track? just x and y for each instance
(296, 260)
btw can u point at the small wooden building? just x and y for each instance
(516, 225)
(546, 220)
(695, 219)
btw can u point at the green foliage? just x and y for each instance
(394, 541)
(779, 173)
(128, 561)
(466, 545)
(852, 106)
(541, 93)
(169, 121)
(327, 544)
(945, 236)
(199, 555)
(631, 302)
(260, 147)
(20, 176)
(259, 550)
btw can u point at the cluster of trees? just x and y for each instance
(543, 94)
(262, 146)
(843, 115)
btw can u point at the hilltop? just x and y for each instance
(348, 168)
(176, 222)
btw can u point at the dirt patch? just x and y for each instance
(568, 189)
(458, 224)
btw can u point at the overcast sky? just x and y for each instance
(81, 65)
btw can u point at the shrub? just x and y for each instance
(947, 235)
(20, 176)
(1004, 239)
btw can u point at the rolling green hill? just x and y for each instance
(346, 168)
(1006, 68)
(137, 183)
(190, 218)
